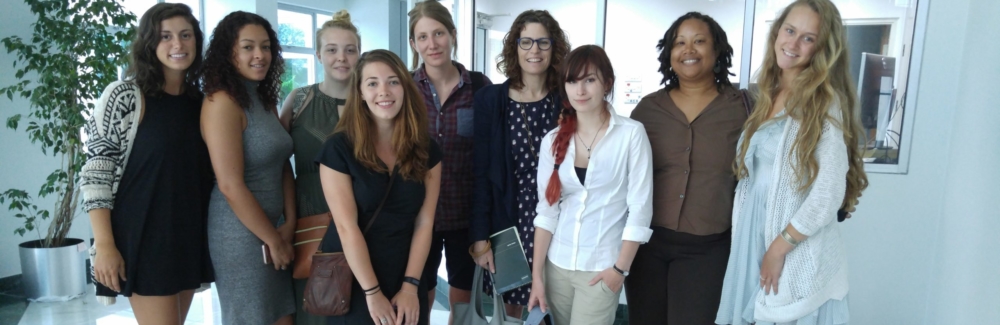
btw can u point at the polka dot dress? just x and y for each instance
(540, 117)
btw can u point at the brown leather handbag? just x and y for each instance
(328, 290)
(309, 233)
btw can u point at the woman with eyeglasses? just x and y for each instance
(510, 121)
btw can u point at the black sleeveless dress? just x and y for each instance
(161, 207)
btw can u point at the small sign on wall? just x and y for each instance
(633, 90)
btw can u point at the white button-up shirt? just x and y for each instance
(591, 220)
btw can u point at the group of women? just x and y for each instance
(710, 205)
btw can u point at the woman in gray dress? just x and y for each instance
(254, 188)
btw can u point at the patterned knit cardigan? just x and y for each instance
(110, 133)
(816, 270)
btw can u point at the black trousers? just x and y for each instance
(676, 278)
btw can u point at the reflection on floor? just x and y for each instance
(87, 311)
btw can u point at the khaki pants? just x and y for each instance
(574, 301)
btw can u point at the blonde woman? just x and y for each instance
(788, 264)
(309, 114)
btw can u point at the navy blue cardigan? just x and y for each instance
(494, 201)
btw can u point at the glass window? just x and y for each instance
(295, 28)
(296, 32)
(300, 71)
(322, 18)
(880, 37)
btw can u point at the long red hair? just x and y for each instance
(578, 63)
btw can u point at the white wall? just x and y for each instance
(635, 26)
(371, 18)
(576, 18)
(922, 247)
(965, 282)
(22, 164)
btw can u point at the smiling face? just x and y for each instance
(534, 61)
(692, 56)
(433, 41)
(587, 92)
(338, 52)
(176, 50)
(382, 91)
(252, 52)
(796, 41)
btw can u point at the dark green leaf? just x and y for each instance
(12, 121)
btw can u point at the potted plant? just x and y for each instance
(75, 50)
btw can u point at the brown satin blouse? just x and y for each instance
(693, 180)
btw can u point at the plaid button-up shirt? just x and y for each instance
(450, 124)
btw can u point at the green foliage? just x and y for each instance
(296, 73)
(290, 36)
(74, 51)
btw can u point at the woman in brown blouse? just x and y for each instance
(693, 124)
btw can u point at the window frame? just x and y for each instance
(311, 51)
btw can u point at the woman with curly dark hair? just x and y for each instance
(149, 218)
(693, 124)
(510, 120)
(254, 185)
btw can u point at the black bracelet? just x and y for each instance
(373, 292)
(618, 270)
(412, 280)
(372, 289)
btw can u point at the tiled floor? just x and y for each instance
(86, 310)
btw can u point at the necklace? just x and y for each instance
(591, 146)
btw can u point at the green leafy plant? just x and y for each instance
(296, 73)
(75, 50)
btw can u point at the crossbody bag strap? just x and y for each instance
(392, 177)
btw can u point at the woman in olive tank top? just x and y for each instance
(310, 114)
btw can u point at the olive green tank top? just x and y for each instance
(311, 125)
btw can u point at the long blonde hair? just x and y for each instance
(825, 82)
(410, 140)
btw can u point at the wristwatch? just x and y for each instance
(620, 271)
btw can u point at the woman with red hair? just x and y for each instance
(595, 213)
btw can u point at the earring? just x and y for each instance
(716, 69)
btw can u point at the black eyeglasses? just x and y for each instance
(526, 43)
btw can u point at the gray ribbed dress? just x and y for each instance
(251, 292)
